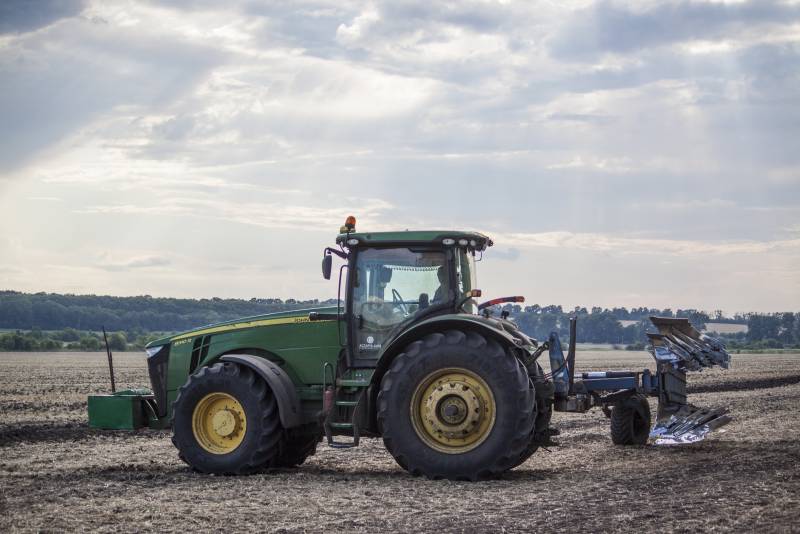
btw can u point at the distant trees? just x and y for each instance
(599, 325)
(117, 341)
(72, 321)
(51, 311)
(70, 339)
(774, 328)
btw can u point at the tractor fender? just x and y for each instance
(278, 381)
(437, 324)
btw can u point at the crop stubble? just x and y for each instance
(57, 474)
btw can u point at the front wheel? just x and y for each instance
(456, 405)
(226, 421)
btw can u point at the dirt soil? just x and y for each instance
(56, 474)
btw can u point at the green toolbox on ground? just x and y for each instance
(124, 410)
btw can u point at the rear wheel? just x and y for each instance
(539, 434)
(630, 421)
(456, 405)
(299, 445)
(226, 421)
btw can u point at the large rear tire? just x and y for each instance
(540, 434)
(630, 421)
(456, 405)
(226, 421)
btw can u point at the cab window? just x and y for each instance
(391, 286)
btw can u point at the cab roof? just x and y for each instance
(426, 237)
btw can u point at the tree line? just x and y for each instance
(71, 339)
(603, 325)
(47, 321)
(53, 311)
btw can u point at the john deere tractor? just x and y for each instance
(408, 355)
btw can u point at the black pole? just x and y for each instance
(571, 354)
(110, 362)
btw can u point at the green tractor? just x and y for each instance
(407, 355)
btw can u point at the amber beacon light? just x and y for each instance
(349, 225)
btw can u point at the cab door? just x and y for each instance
(389, 287)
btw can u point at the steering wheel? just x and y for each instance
(398, 301)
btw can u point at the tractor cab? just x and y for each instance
(393, 280)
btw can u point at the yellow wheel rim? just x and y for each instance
(453, 410)
(219, 423)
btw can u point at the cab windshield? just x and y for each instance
(391, 286)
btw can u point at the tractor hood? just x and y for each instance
(267, 319)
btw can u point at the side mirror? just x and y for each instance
(327, 264)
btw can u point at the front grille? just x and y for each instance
(157, 368)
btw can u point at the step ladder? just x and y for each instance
(331, 422)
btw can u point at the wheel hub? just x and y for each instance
(453, 410)
(224, 422)
(219, 423)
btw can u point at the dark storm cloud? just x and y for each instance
(609, 27)
(18, 16)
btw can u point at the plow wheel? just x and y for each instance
(226, 421)
(456, 405)
(630, 421)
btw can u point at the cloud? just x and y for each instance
(261, 214)
(132, 263)
(655, 246)
(508, 254)
(96, 68)
(350, 34)
(612, 27)
(19, 16)
(613, 165)
(645, 130)
(580, 117)
(695, 205)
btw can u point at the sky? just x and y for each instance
(619, 153)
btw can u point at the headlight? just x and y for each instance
(152, 351)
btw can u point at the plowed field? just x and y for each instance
(56, 474)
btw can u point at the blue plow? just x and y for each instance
(677, 348)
